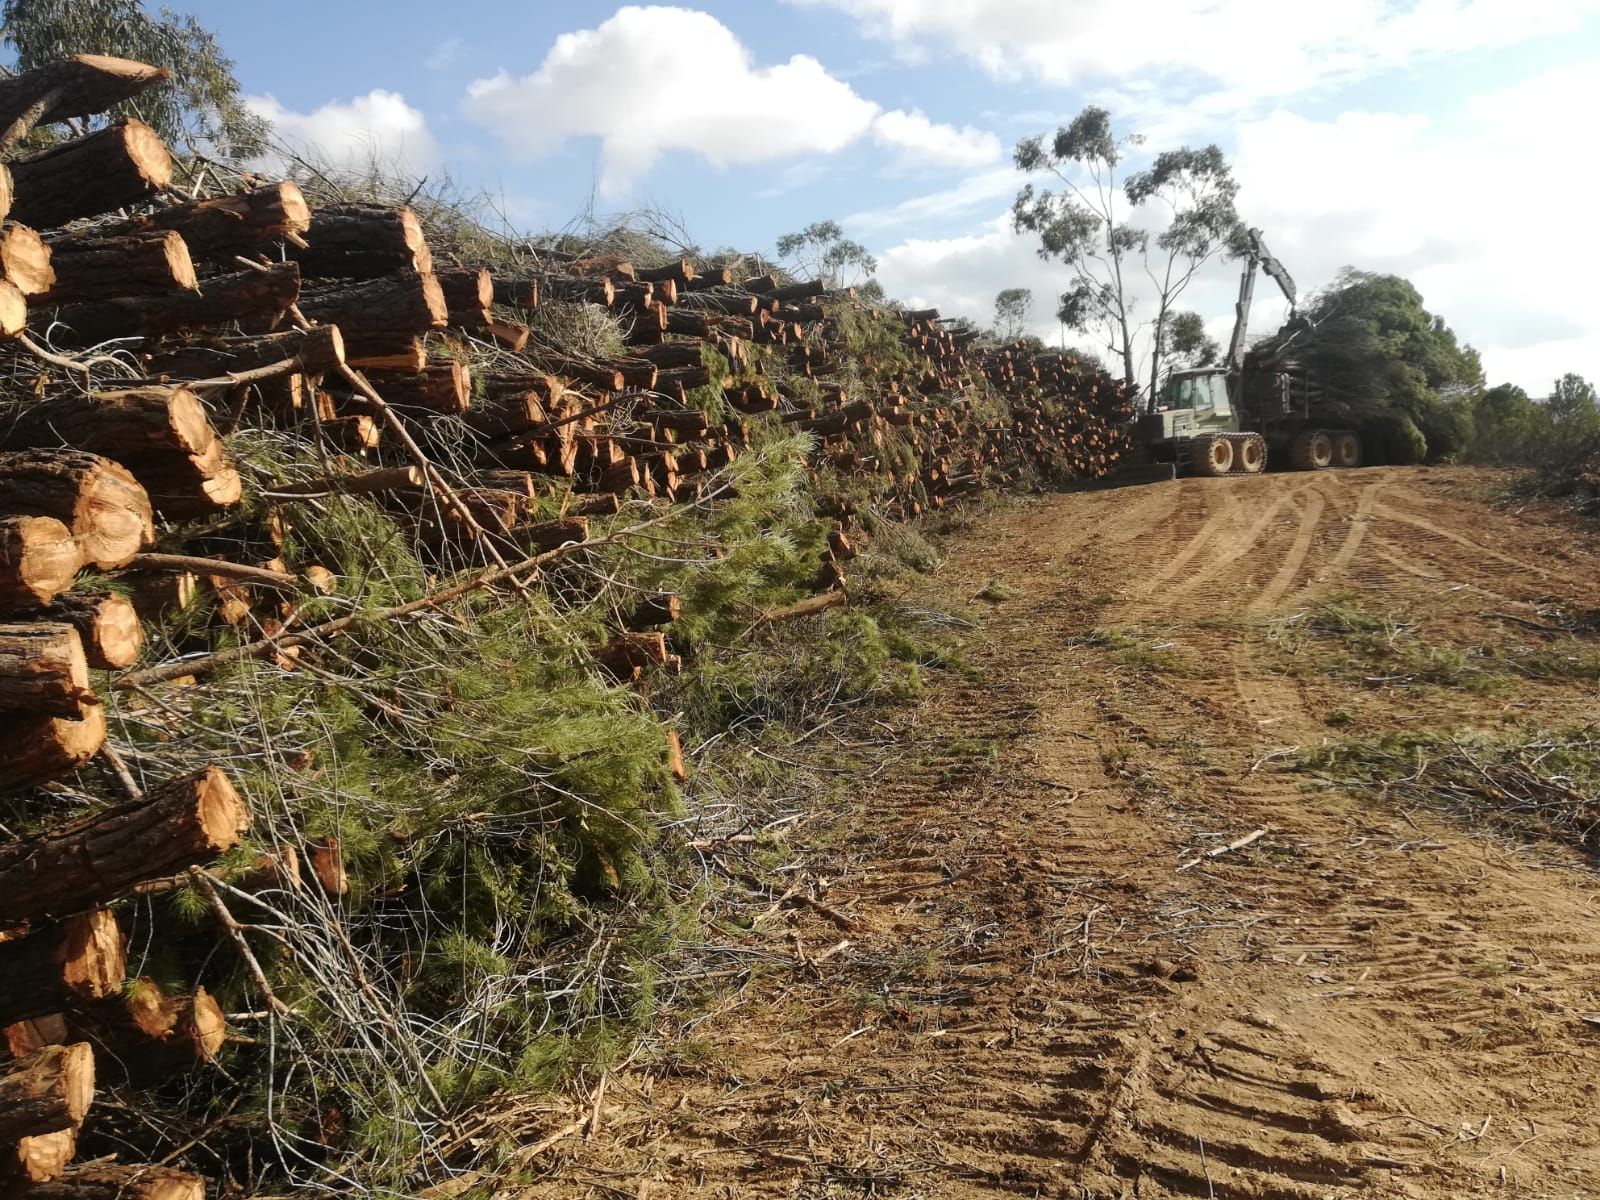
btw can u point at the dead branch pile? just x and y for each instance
(195, 379)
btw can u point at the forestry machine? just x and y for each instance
(1230, 418)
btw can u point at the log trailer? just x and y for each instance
(1235, 417)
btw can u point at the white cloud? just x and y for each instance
(924, 141)
(1249, 47)
(978, 191)
(655, 79)
(445, 53)
(379, 127)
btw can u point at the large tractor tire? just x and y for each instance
(1312, 451)
(1250, 454)
(1346, 450)
(1211, 455)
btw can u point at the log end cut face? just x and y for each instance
(93, 955)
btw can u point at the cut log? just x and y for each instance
(89, 267)
(807, 607)
(107, 624)
(46, 1091)
(675, 763)
(39, 558)
(365, 483)
(246, 296)
(83, 959)
(25, 259)
(13, 310)
(157, 595)
(145, 1036)
(43, 671)
(228, 225)
(35, 1033)
(374, 314)
(162, 435)
(79, 86)
(508, 335)
(38, 749)
(517, 291)
(363, 241)
(311, 351)
(394, 352)
(444, 388)
(467, 291)
(116, 166)
(628, 655)
(661, 608)
(181, 823)
(326, 859)
(40, 1158)
(102, 1181)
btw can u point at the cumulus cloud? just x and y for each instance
(1286, 47)
(379, 127)
(655, 79)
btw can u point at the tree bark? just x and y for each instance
(107, 624)
(374, 314)
(116, 166)
(46, 1091)
(39, 749)
(229, 225)
(79, 86)
(96, 1181)
(468, 292)
(39, 558)
(146, 1036)
(96, 267)
(83, 959)
(520, 291)
(43, 671)
(444, 388)
(182, 823)
(222, 299)
(25, 260)
(363, 241)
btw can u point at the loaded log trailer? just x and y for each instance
(1252, 410)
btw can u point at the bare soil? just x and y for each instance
(1028, 975)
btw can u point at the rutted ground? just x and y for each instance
(1049, 991)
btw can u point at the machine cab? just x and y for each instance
(1203, 392)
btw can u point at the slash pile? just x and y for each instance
(254, 453)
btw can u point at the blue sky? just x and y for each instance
(1436, 138)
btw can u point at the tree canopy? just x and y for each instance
(200, 107)
(821, 251)
(1011, 309)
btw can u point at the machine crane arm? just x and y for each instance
(1256, 255)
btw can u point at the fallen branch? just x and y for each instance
(218, 566)
(1254, 835)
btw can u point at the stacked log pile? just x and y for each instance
(433, 386)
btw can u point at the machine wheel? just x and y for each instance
(1312, 451)
(1250, 454)
(1211, 455)
(1346, 450)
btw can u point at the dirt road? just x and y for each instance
(1037, 969)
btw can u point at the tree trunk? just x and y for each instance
(25, 260)
(79, 86)
(43, 671)
(38, 749)
(97, 1181)
(83, 959)
(444, 388)
(114, 167)
(374, 314)
(312, 351)
(249, 295)
(107, 624)
(228, 225)
(363, 241)
(92, 267)
(39, 559)
(48, 1090)
(181, 823)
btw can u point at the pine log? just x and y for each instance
(521, 291)
(79, 86)
(512, 413)
(94, 267)
(682, 271)
(5, 190)
(374, 314)
(444, 388)
(46, 1091)
(35, 1033)
(39, 558)
(363, 241)
(107, 624)
(365, 483)
(675, 763)
(13, 309)
(392, 352)
(248, 295)
(807, 607)
(81, 960)
(182, 823)
(508, 335)
(40, 1158)
(547, 535)
(627, 655)
(43, 670)
(144, 1035)
(116, 166)
(157, 595)
(312, 351)
(326, 860)
(39, 749)
(25, 260)
(660, 608)
(162, 435)
(579, 291)
(225, 226)
(467, 290)
(102, 1181)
